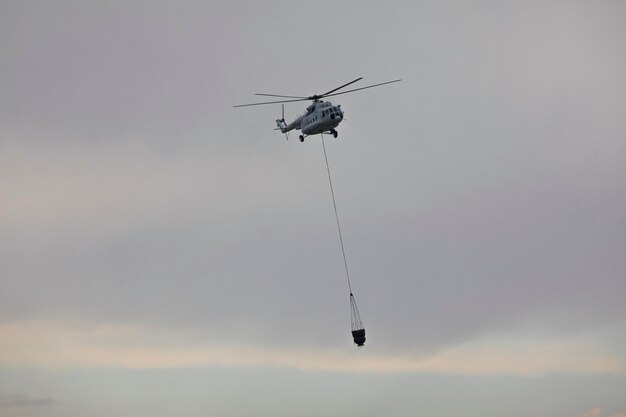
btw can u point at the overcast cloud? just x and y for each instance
(147, 224)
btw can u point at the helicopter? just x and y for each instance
(320, 117)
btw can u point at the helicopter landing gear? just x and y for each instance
(334, 132)
(301, 138)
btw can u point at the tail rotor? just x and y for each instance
(281, 124)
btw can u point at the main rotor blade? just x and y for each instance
(271, 102)
(276, 95)
(362, 88)
(315, 97)
(339, 88)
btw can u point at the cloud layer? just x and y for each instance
(146, 224)
(59, 346)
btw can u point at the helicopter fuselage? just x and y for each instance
(320, 117)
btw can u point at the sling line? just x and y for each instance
(332, 192)
(357, 329)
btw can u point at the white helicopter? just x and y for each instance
(320, 117)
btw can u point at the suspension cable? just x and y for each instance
(332, 192)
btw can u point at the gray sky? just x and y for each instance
(161, 250)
